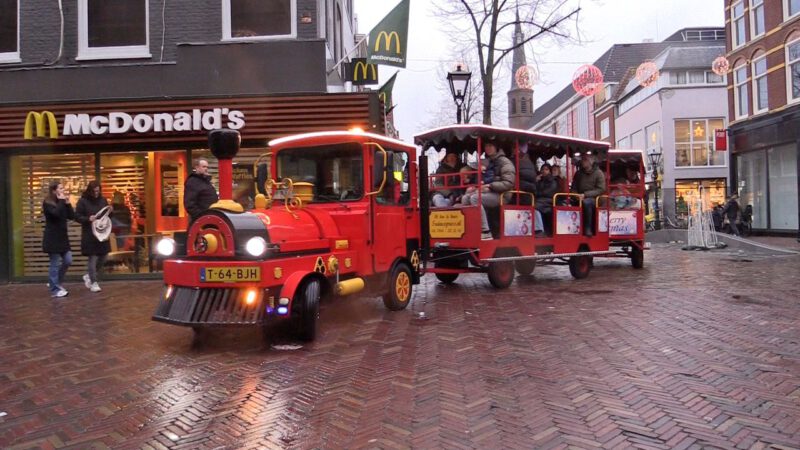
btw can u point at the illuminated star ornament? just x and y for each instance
(587, 80)
(526, 77)
(647, 73)
(721, 66)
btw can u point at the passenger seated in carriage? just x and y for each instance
(622, 197)
(450, 164)
(499, 178)
(546, 188)
(590, 181)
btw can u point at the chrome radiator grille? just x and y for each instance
(212, 306)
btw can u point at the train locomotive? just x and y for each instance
(337, 215)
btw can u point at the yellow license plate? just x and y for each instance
(230, 274)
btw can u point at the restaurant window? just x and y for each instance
(783, 187)
(30, 177)
(760, 93)
(740, 91)
(793, 70)
(9, 31)
(248, 19)
(757, 27)
(739, 37)
(752, 188)
(690, 193)
(118, 29)
(694, 143)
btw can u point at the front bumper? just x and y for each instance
(190, 306)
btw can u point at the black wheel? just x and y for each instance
(305, 310)
(447, 278)
(398, 295)
(579, 266)
(501, 274)
(637, 257)
(525, 266)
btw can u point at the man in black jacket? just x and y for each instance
(198, 192)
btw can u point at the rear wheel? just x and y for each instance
(637, 257)
(305, 310)
(579, 266)
(400, 288)
(501, 274)
(525, 266)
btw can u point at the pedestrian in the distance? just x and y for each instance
(57, 213)
(92, 207)
(198, 193)
(732, 214)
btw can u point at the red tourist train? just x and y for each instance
(346, 212)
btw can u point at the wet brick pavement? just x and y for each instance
(700, 350)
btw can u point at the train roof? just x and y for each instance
(465, 138)
(327, 137)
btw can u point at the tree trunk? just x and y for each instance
(487, 97)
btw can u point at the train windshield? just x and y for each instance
(335, 171)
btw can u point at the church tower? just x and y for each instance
(520, 96)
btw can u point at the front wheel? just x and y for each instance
(305, 309)
(579, 266)
(400, 287)
(501, 274)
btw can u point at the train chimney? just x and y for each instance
(224, 145)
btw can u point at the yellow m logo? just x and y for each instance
(387, 40)
(364, 68)
(44, 122)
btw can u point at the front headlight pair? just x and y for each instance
(255, 246)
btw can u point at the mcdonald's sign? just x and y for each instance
(44, 124)
(360, 72)
(387, 39)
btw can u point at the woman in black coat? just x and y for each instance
(89, 206)
(57, 212)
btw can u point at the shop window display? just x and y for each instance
(688, 192)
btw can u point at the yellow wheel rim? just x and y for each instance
(402, 287)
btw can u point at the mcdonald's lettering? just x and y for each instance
(387, 39)
(43, 122)
(364, 68)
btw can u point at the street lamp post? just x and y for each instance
(459, 83)
(655, 162)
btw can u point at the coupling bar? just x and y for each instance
(549, 256)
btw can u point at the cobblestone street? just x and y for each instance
(698, 350)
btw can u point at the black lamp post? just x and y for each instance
(459, 83)
(655, 161)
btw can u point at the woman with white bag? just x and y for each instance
(92, 213)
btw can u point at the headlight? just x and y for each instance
(165, 247)
(256, 246)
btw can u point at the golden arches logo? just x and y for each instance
(43, 122)
(387, 40)
(364, 69)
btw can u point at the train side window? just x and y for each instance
(396, 191)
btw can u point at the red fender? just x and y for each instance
(292, 283)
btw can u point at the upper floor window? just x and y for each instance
(791, 8)
(110, 30)
(740, 91)
(739, 37)
(793, 70)
(605, 128)
(9, 31)
(694, 143)
(757, 26)
(760, 93)
(258, 19)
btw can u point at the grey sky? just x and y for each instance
(603, 23)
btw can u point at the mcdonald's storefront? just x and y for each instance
(141, 152)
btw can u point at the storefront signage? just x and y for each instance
(720, 140)
(121, 122)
